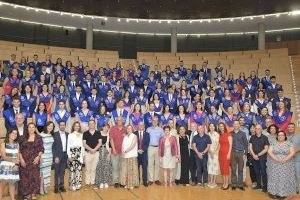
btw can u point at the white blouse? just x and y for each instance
(75, 140)
(127, 141)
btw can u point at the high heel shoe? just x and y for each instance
(225, 188)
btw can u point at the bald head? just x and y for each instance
(20, 119)
(258, 129)
(120, 121)
(141, 126)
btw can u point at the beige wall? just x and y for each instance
(293, 46)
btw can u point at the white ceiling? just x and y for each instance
(283, 21)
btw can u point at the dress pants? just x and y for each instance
(202, 173)
(193, 166)
(153, 164)
(237, 163)
(116, 168)
(260, 168)
(91, 161)
(59, 171)
(143, 161)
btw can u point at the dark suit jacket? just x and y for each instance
(145, 142)
(57, 147)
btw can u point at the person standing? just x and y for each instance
(47, 157)
(116, 135)
(294, 138)
(213, 156)
(282, 180)
(184, 156)
(129, 166)
(258, 146)
(192, 159)
(225, 141)
(59, 149)
(31, 150)
(143, 139)
(201, 145)
(238, 154)
(155, 133)
(9, 173)
(104, 168)
(168, 153)
(75, 151)
(92, 143)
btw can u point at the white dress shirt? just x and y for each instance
(63, 138)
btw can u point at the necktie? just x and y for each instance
(94, 98)
(16, 111)
(73, 84)
(141, 140)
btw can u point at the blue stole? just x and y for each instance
(248, 117)
(8, 100)
(218, 81)
(77, 103)
(165, 83)
(270, 88)
(61, 96)
(144, 70)
(10, 117)
(142, 101)
(243, 101)
(148, 92)
(30, 82)
(172, 103)
(157, 75)
(228, 121)
(118, 92)
(159, 107)
(133, 94)
(14, 83)
(102, 89)
(127, 103)
(130, 73)
(176, 79)
(87, 90)
(199, 120)
(235, 95)
(45, 99)
(182, 122)
(161, 94)
(218, 69)
(184, 101)
(250, 91)
(94, 105)
(255, 81)
(125, 83)
(182, 71)
(135, 121)
(215, 103)
(195, 73)
(164, 120)
(261, 105)
(28, 104)
(193, 90)
(189, 79)
(261, 120)
(138, 80)
(22, 66)
(85, 118)
(41, 119)
(152, 84)
(281, 119)
(241, 83)
(107, 71)
(215, 119)
(115, 115)
(266, 82)
(102, 120)
(58, 119)
(227, 103)
(110, 105)
(230, 84)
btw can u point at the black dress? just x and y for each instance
(184, 156)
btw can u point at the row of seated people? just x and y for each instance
(197, 97)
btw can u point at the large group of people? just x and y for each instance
(125, 125)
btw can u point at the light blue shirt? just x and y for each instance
(155, 134)
(295, 140)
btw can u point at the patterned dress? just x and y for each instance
(282, 176)
(213, 161)
(104, 167)
(47, 159)
(75, 154)
(7, 174)
(30, 175)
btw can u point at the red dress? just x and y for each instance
(224, 149)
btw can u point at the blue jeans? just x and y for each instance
(202, 173)
(260, 169)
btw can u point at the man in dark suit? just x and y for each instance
(206, 71)
(10, 114)
(59, 149)
(143, 144)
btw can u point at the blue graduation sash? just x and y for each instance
(182, 122)
(184, 101)
(124, 115)
(164, 120)
(45, 99)
(142, 102)
(41, 119)
(85, 118)
(215, 119)
(281, 119)
(58, 119)
(102, 120)
(110, 104)
(135, 120)
(199, 120)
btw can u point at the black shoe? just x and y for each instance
(157, 183)
(56, 191)
(117, 185)
(257, 188)
(146, 184)
(62, 189)
(225, 188)
(233, 188)
(265, 191)
(242, 188)
(150, 183)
